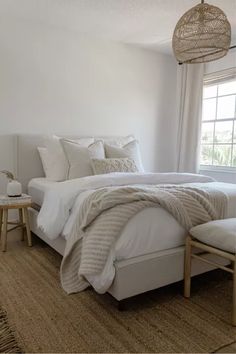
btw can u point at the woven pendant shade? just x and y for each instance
(202, 34)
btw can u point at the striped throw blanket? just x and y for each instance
(105, 212)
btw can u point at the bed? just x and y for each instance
(139, 266)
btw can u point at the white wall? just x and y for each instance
(57, 81)
(229, 61)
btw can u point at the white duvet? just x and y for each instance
(151, 230)
(63, 199)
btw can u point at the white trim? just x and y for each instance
(212, 168)
(220, 76)
(217, 78)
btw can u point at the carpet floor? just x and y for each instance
(45, 319)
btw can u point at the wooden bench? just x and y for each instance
(216, 237)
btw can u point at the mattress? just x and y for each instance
(37, 188)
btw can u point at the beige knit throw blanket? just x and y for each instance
(105, 212)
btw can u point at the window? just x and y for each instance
(218, 138)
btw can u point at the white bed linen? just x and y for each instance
(37, 188)
(151, 230)
(64, 197)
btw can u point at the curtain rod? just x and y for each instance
(232, 47)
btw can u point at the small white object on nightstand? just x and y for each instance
(14, 188)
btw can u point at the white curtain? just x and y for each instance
(189, 108)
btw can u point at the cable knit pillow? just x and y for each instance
(130, 150)
(102, 166)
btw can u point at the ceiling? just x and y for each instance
(146, 23)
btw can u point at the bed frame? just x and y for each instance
(133, 276)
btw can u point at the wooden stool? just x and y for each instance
(7, 203)
(219, 238)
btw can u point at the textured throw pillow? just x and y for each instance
(102, 166)
(79, 157)
(130, 150)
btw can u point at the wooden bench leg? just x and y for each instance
(187, 267)
(234, 294)
(4, 230)
(23, 226)
(27, 226)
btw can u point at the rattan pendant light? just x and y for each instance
(202, 34)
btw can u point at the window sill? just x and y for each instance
(220, 169)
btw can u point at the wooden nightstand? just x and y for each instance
(22, 204)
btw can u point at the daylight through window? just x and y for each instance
(218, 139)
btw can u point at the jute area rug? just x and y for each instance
(8, 343)
(45, 319)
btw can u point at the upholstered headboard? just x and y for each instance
(28, 163)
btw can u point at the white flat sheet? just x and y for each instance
(37, 188)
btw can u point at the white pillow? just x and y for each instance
(46, 162)
(130, 150)
(79, 157)
(102, 166)
(117, 141)
(58, 166)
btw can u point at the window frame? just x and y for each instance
(217, 78)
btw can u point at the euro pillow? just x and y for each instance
(103, 166)
(79, 157)
(57, 165)
(117, 141)
(47, 163)
(130, 150)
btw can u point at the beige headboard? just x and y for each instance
(28, 163)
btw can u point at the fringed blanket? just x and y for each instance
(106, 211)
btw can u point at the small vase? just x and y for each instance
(14, 188)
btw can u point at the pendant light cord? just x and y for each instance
(202, 1)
